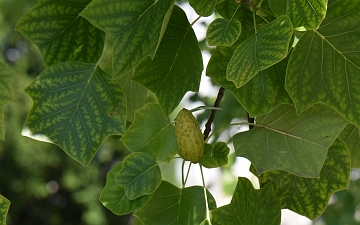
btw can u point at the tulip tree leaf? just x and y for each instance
(260, 51)
(171, 205)
(325, 63)
(284, 141)
(4, 207)
(351, 136)
(223, 32)
(135, 25)
(203, 7)
(177, 65)
(76, 106)
(140, 175)
(60, 33)
(151, 133)
(249, 206)
(6, 95)
(215, 156)
(310, 196)
(113, 196)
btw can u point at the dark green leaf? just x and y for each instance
(135, 25)
(310, 196)
(249, 206)
(140, 175)
(60, 33)
(6, 95)
(177, 65)
(230, 10)
(284, 141)
(76, 106)
(4, 207)
(203, 7)
(151, 133)
(171, 205)
(223, 32)
(215, 156)
(113, 196)
(351, 136)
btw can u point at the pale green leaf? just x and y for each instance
(135, 25)
(4, 207)
(215, 156)
(351, 136)
(171, 205)
(284, 141)
(177, 65)
(310, 196)
(151, 133)
(140, 175)
(113, 196)
(266, 48)
(76, 106)
(230, 10)
(203, 7)
(6, 95)
(60, 33)
(223, 32)
(249, 206)
(325, 64)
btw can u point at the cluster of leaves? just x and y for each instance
(292, 66)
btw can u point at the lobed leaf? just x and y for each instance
(6, 95)
(215, 156)
(284, 141)
(4, 208)
(351, 136)
(76, 106)
(203, 7)
(223, 32)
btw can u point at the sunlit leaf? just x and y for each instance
(4, 207)
(113, 196)
(151, 133)
(215, 155)
(76, 106)
(351, 136)
(249, 206)
(6, 95)
(135, 25)
(60, 33)
(140, 175)
(325, 63)
(230, 10)
(177, 65)
(310, 196)
(223, 32)
(171, 205)
(203, 7)
(284, 141)
(260, 51)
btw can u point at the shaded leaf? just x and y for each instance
(61, 35)
(76, 106)
(310, 196)
(6, 94)
(151, 133)
(284, 141)
(177, 65)
(230, 10)
(351, 136)
(171, 205)
(223, 32)
(260, 51)
(249, 206)
(135, 25)
(140, 175)
(325, 63)
(203, 7)
(4, 207)
(215, 156)
(113, 196)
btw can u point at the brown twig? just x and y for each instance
(212, 115)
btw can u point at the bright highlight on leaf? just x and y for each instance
(215, 156)
(76, 106)
(4, 207)
(223, 32)
(6, 95)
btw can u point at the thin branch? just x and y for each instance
(212, 115)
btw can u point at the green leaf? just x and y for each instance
(6, 95)
(325, 64)
(135, 25)
(249, 206)
(215, 156)
(230, 10)
(4, 207)
(284, 141)
(351, 136)
(223, 32)
(177, 65)
(310, 196)
(60, 33)
(203, 7)
(76, 106)
(260, 51)
(140, 175)
(307, 13)
(171, 205)
(136, 94)
(151, 133)
(113, 196)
